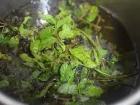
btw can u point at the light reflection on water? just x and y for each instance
(44, 6)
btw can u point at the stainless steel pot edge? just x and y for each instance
(5, 100)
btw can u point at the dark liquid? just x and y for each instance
(119, 36)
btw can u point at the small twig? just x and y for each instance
(118, 77)
(62, 98)
(108, 27)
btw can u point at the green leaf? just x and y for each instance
(4, 39)
(47, 31)
(88, 13)
(44, 90)
(99, 51)
(44, 76)
(26, 58)
(46, 37)
(83, 10)
(106, 71)
(24, 31)
(66, 73)
(93, 13)
(64, 21)
(68, 89)
(88, 31)
(84, 56)
(82, 85)
(5, 57)
(62, 6)
(67, 32)
(13, 42)
(35, 74)
(26, 84)
(26, 19)
(4, 83)
(93, 91)
(35, 47)
(49, 18)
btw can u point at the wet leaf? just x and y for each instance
(44, 91)
(84, 56)
(24, 31)
(46, 38)
(4, 39)
(64, 21)
(67, 32)
(35, 47)
(44, 76)
(67, 89)
(14, 42)
(83, 10)
(66, 73)
(26, 58)
(93, 91)
(49, 19)
(25, 84)
(4, 83)
(5, 57)
(93, 13)
(35, 74)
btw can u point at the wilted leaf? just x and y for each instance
(45, 90)
(24, 31)
(4, 57)
(83, 10)
(66, 73)
(93, 91)
(68, 89)
(26, 58)
(26, 84)
(84, 56)
(67, 32)
(49, 19)
(44, 76)
(35, 46)
(93, 13)
(13, 42)
(64, 21)
(35, 74)
(4, 39)
(46, 37)
(4, 83)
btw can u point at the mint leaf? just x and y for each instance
(46, 37)
(4, 83)
(64, 21)
(49, 19)
(84, 56)
(66, 73)
(67, 32)
(93, 91)
(26, 58)
(35, 47)
(93, 13)
(67, 89)
(24, 31)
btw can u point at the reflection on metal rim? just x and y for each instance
(5, 100)
(130, 100)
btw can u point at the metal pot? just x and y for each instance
(126, 12)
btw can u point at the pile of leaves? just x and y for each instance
(68, 55)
